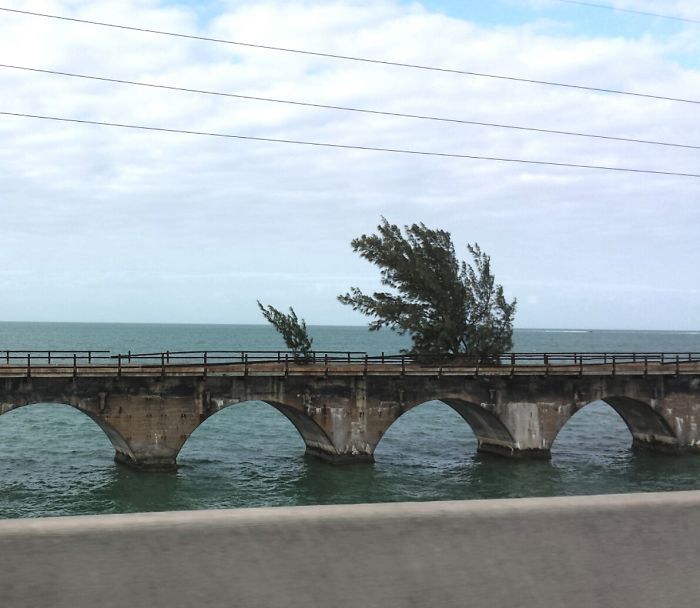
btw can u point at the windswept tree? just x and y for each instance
(292, 330)
(446, 305)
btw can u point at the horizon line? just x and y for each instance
(185, 323)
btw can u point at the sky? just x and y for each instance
(101, 224)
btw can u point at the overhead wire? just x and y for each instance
(353, 109)
(359, 59)
(629, 10)
(351, 146)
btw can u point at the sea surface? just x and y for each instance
(54, 460)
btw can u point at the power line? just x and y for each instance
(629, 10)
(352, 109)
(351, 147)
(359, 59)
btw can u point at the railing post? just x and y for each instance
(662, 358)
(48, 358)
(646, 365)
(382, 357)
(245, 365)
(205, 363)
(580, 365)
(348, 357)
(365, 371)
(546, 364)
(119, 364)
(167, 356)
(75, 365)
(29, 365)
(286, 364)
(614, 369)
(162, 364)
(129, 357)
(678, 365)
(605, 358)
(403, 365)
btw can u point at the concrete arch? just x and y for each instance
(115, 437)
(647, 427)
(491, 434)
(315, 438)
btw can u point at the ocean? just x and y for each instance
(56, 461)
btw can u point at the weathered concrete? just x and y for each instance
(342, 416)
(633, 551)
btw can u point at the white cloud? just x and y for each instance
(133, 209)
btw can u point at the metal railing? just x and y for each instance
(53, 357)
(596, 358)
(229, 357)
(266, 356)
(92, 361)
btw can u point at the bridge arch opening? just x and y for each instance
(436, 430)
(596, 432)
(237, 430)
(608, 423)
(56, 434)
(612, 419)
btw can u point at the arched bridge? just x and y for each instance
(343, 403)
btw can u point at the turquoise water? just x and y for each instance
(56, 461)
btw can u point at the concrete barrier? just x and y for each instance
(637, 550)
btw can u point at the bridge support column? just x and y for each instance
(329, 433)
(148, 458)
(681, 413)
(352, 456)
(513, 451)
(532, 426)
(339, 423)
(351, 434)
(152, 428)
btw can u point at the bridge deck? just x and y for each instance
(346, 369)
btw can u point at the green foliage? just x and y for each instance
(446, 305)
(293, 331)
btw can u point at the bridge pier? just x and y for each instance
(531, 426)
(147, 461)
(349, 457)
(154, 426)
(680, 412)
(513, 452)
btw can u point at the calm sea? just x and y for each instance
(56, 461)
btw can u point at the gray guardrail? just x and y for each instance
(637, 550)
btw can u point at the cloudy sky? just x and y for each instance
(105, 224)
